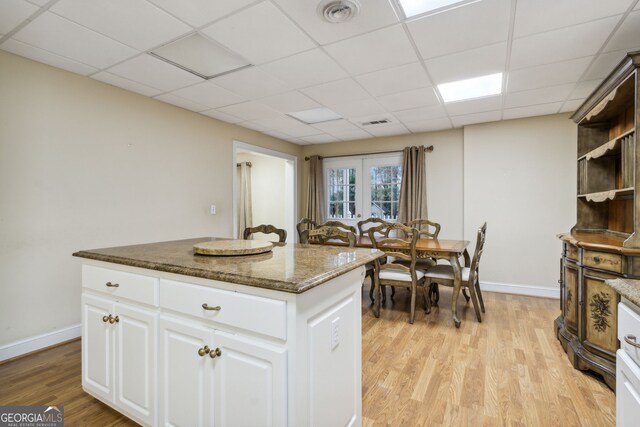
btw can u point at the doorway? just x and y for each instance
(273, 188)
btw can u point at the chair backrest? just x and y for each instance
(340, 225)
(389, 245)
(305, 224)
(324, 233)
(426, 228)
(363, 226)
(475, 262)
(266, 229)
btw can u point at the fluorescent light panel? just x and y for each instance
(200, 56)
(476, 87)
(315, 115)
(418, 7)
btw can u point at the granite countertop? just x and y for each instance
(628, 288)
(288, 267)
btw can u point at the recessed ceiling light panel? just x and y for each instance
(418, 7)
(315, 115)
(477, 87)
(200, 56)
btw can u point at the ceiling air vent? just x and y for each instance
(338, 11)
(376, 122)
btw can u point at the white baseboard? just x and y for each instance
(534, 291)
(18, 348)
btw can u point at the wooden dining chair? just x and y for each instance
(428, 230)
(363, 227)
(443, 275)
(393, 273)
(304, 224)
(324, 233)
(340, 225)
(265, 229)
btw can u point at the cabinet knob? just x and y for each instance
(215, 353)
(112, 285)
(204, 350)
(105, 319)
(113, 320)
(631, 340)
(597, 259)
(206, 307)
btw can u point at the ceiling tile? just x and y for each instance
(65, 38)
(135, 23)
(421, 114)
(360, 121)
(260, 34)
(468, 64)
(178, 101)
(533, 110)
(200, 12)
(571, 106)
(301, 130)
(548, 75)
(290, 102)
(374, 51)
(583, 89)
(348, 135)
(279, 135)
(362, 107)
(410, 99)
(254, 126)
(153, 72)
(209, 94)
(39, 2)
(13, 13)
(627, 37)
(337, 92)
(476, 24)
(320, 139)
(538, 96)
(474, 105)
(393, 80)
(536, 16)
(46, 57)
(251, 83)
(280, 123)
(222, 116)
(305, 69)
(429, 125)
(387, 130)
(123, 83)
(249, 111)
(336, 126)
(604, 64)
(568, 43)
(470, 119)
(373, 15)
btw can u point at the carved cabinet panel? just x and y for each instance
(571, 295)
(600, 314)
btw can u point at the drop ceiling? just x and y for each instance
(378, 66)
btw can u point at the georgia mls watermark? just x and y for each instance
(32, 416)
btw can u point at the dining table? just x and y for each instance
(449, 250)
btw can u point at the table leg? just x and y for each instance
(457, 284)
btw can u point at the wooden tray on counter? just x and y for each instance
(232, 247)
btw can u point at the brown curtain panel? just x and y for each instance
(413, 192)
(315, 193)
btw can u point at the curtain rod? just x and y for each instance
(428, 149)
(248, 163)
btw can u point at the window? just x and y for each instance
(363, 187)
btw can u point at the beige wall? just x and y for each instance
(87, 165)
(444, 171)
(520, 177)
(267, 191)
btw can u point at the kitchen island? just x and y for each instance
(170, 337)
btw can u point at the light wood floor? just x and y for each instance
(507, 370)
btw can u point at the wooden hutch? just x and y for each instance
(605, 242)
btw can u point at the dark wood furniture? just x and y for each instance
(265, 229)
(305, 224)
(443, 275)
(604, 243)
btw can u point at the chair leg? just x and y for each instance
(412, 316)
(435, 294)
(427, 298)
(376, 304)
(464, 293)
(383, 293)
(474, 300)
(393, 292)
(479, 294)
(371, 291)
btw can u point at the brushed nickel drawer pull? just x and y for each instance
(112, 285)
(215, 353)
(597, 259)
(206, 307)
(631, 340)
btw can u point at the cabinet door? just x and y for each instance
(600, 314)
(185, 376)
(251, 383)
(570, 296)
(627, 391)
(97, 347)
(135, 361)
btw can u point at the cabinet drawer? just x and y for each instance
(572, 253)
(629, 324)
(602, 261)
(253, 313)
(121, 284)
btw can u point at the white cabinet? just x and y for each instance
(627, 369)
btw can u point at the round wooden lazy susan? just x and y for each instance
(232, 247)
